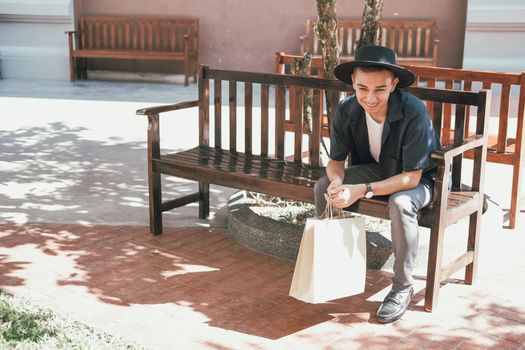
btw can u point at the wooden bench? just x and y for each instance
(416, 42)
(134, 38)
(262, 167)
(505, 143)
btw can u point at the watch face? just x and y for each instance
(369, 194)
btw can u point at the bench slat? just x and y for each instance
(280, 116)
(233, 115)
(82, 29)
(503, 118)
(204, 112)
(265, 102)
(297, 115)
(112, 35)
(217, 91)
(90, 34)
(436, 114)
(150, 55)
(315, 139)
(248, 118)
(410, 42)
(127, 34)
(105, 34)
(447, 116)
(459, 136)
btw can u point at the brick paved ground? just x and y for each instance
(195, 288)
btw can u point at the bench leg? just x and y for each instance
(155, 203)
(435, 255)
(515, 194)
(204, 201)
(84, 69)
(186, 72)
(196, 70)
(71, 68)
(473, 246)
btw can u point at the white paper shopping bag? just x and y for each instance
(331, 263)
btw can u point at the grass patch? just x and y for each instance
(26, 326)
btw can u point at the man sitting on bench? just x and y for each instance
(389, 136)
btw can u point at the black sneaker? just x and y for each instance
(394, 306)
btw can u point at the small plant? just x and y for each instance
(294, 212)
(17, 325)
(26, 326)
(277, 208)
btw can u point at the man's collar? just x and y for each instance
(394, 107)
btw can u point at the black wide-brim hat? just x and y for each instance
(374, 56)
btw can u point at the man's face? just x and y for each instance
(373, 89)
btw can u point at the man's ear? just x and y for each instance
(395, 81)
(353, 81)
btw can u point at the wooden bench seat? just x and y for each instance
(226, 168)
(416, 42)
(287, 173)
(134, 38)
(505, 144)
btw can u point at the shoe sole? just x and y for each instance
(390, 319)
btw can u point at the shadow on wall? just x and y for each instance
(52, 174)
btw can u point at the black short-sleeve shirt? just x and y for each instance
(407, 142)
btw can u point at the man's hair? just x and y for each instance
(368, 69)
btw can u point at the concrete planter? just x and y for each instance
(282, 240)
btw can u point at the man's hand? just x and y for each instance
(343, 196)
(335, 187)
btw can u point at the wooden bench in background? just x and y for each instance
(134, 38)
(222, 157)
(505, 145)
(415, 42)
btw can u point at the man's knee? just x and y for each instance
(401, 203)
(320, 186)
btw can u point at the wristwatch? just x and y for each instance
(369, 192)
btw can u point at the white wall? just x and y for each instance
(32, 40)
(495, 35)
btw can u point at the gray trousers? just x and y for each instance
(402, 210)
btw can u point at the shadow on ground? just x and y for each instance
(202, 269)
(201, 275)
(52, 173)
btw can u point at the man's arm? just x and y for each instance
(345, 195)
(335, 170)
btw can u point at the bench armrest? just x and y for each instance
(72, 31)
(167, 108)
(450, 151)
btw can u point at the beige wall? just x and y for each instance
(245, 34)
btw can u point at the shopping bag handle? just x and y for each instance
(329, 210)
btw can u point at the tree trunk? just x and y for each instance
(326, 30)
(371, 27)
(302, 67)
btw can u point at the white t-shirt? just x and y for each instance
(375, 131)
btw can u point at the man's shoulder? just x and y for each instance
(347, 101)
(412, 105)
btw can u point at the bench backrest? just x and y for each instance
(410, 39)
(260, 120)
(508, 101)
(137, 33)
